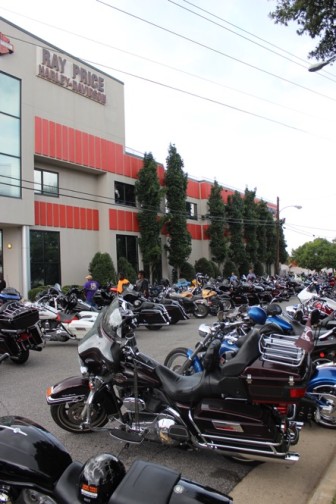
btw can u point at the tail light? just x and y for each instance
(297, 393)
(282, 408)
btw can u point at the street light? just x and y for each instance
(277, 255)
(319, 66)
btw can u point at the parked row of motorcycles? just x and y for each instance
(244, 391)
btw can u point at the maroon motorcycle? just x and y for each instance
(239, 408)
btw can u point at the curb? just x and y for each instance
(326, 488)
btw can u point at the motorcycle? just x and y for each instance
(60, 318)
(19, 331)
(319, 403)
(238, 409)
(192, 305)
(36, 467)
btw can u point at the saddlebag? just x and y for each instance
(281, 373)
(15, 315)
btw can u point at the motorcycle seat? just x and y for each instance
(145, 483)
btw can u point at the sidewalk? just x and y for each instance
(311, 480)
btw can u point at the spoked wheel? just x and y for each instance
(327, 395)
(21, 357)
(68, 416)
(176, 359)
(201, 310)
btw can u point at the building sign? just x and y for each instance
(57, 69)
(5, 45)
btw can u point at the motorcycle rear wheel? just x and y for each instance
(175, 360)
(201, 310)
(68, 417)
(21, 357)
(327, 393)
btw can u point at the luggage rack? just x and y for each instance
(281, 349)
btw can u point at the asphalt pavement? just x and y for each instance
(311, 480)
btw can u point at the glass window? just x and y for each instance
(127, 246)
(10, 182)
(46, 183)
(45, 263)
(10, 138)
(191, 209)
(10, 95)
(10, 135)
(124, 194)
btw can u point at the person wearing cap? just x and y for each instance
(90, 287)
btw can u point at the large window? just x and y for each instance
(45, 258)
(127, 246)
(124, 194)
(46, 183)
(10, 137)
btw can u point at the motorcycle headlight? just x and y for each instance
(204, 330)
(83, 369)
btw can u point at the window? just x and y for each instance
(46, 183)
(191, 209)
(127, 246)
(10, 138)
(124, 194)
(45, 264)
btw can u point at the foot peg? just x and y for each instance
(127, 436)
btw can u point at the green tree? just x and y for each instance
(102, 268)
(235, 213)
(216, 209)
(250, 227)
(315, 18)
(316, 255)
(149, 194)
(265, 220)
(179, 239)
(124, 266)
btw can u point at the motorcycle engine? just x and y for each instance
(170, 431)
(27, 495)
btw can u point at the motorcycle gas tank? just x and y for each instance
(29, 453)
(285, 326)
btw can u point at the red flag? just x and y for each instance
(306, 340)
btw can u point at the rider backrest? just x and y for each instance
(248, 353)
(211, 358)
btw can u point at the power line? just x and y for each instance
(252, 34)
(217, 51)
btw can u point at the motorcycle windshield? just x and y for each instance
(99, 350)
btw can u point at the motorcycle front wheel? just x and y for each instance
(326, 394)
(21, 357)
(68, 416)
(201, 310)
(176, 359)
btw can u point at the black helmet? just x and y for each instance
(99, 478)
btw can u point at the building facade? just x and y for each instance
(66, 181)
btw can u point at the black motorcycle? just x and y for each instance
(238, 409)
(19, 331)
(36, 468)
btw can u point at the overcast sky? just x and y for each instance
(222, 82)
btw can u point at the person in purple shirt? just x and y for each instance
(90, 287)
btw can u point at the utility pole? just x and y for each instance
(277, 238)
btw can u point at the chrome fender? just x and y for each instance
(73, 389)
(324, 374)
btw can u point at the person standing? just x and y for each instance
(2, 283)
(251, 277)
(142, 284)
(90, 287)
(122, 283)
